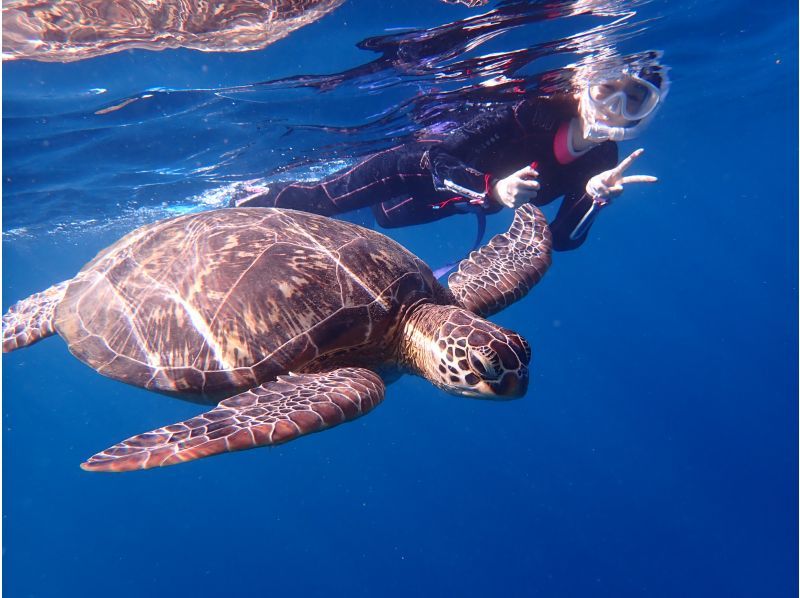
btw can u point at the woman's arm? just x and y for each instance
(449, 160)
(577, 211)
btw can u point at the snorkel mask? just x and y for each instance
(620, 108)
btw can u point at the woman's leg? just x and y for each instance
(374, 179)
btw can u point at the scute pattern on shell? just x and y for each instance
(70, 30)
(227, 299)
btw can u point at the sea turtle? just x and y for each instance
(70, 30)
(301, 318)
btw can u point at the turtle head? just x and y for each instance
(469, 356)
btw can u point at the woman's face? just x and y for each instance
(622, 101)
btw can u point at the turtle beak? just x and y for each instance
(512, 385)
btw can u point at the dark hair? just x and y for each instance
(652, 74)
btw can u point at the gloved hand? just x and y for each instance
(518, 188)
(604, 187)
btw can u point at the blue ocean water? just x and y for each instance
(656, 451)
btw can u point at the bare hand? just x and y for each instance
(518, 188)
(607, 185)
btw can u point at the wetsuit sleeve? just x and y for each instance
(408, 211)
(574, 207)
(448, 160)
(576, 203)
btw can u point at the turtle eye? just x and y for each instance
(483, 365)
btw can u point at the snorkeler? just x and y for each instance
(536, 150)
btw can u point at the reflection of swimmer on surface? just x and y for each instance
(67, 30)
(536, 150)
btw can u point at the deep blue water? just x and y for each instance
(654, 455)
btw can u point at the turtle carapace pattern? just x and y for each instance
(294, 320)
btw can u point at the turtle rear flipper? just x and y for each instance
(32, 319)
(507, 267)
(272, 413)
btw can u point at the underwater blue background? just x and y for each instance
(654, 455)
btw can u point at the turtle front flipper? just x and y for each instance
(32, 319)
(507, 267)
(272, 413)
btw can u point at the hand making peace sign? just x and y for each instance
(607, 185)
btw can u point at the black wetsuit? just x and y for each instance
(408, 184)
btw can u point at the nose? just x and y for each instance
(614, 104)
(513, 352)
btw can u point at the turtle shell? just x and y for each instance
(229, 299)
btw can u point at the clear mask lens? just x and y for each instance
(631, 98)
